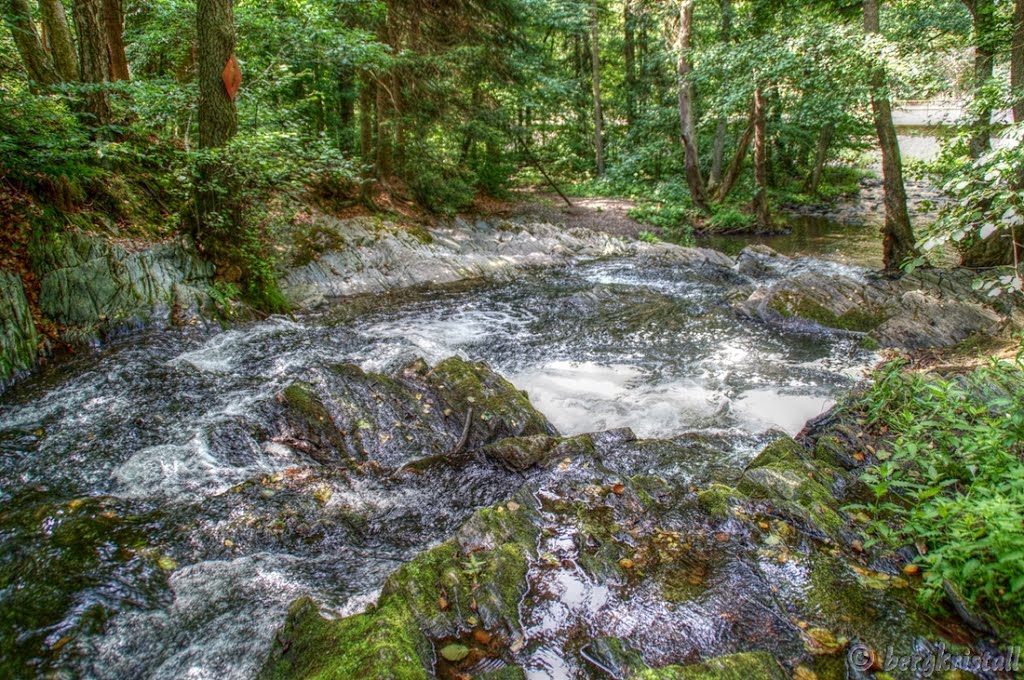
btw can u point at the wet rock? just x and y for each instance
(19, 340)
(345, 414)
(521, 453)
(91, 286)
(744, 666)
(930, 308)
(618, 572)
(369, 255)
(760, 261)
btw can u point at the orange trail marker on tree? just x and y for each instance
(232, 77)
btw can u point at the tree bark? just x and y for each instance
(983, 17)
(1017, 62)
(62, 46)
(629, 60)
(820, 156)
(761, 210)
(93, 57)
(37, 62)
(718, 157)
(688, 129)
(732, 174)
(113, 25)
(595, 65)
(218, 119)
(898, 236)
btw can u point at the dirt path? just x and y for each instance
(610, 215)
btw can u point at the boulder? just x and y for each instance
(19, 340)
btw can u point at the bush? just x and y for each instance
(952, 481)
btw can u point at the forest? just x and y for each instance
(511, 339)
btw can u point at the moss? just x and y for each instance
(521, 453)
(781, 476)
(311, 243)
(499, 409)
(307, 408)
(742, 666)
(716, 500)
(783, 451)
(446, 590)
(419, 233)
(790, 305)
(383, 643)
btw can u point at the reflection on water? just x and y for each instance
(814, 236)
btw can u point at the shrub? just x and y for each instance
(952, 480)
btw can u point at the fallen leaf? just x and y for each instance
(455, 652)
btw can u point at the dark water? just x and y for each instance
(856, 243)
(149, 528)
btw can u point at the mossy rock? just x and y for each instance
(717, 500)
(475, 579)
(743, 666)
(521, 453)
(384, 643)
(499, 409)
(790, 304)
(312, 422)
(781, 476)
(19, 340)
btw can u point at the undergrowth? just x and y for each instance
(951, 481)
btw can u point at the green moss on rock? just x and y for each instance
(499, 409)
(384, 643)
(791, 304)
(744, 666)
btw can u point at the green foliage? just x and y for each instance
(987, 202)
(952, 480)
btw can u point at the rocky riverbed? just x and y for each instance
(175, 498)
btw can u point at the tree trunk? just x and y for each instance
(113, 26)
(732, 174)
(761, 211)
(1017, 62)
(62, 46)
(983, 16)
(820, 156)
(723, 127)
(629, 59)
(595, 65)
(898, 242)
(688, 129)
(218, 119)
(37, 63)
(93, 57)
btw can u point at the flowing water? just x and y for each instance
(150, 529)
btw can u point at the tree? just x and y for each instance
(37, 63)
(595, 65)
(983, 16)
(718, 154)
(1017, 62)
(761, 211)
(62, 46)
(218, 119)
(688, 128)
(898, 235)
(113, 27)
(93, 57)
